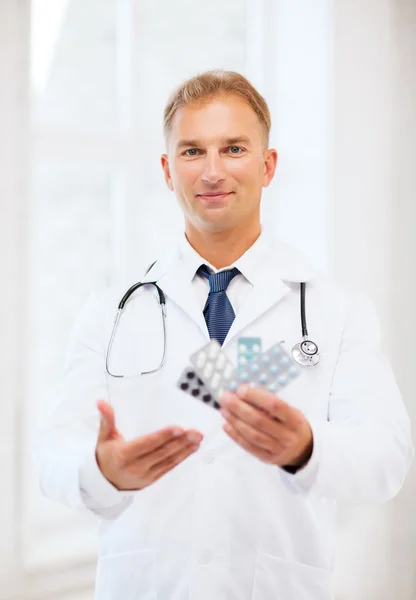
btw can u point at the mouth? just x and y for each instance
(214, 196)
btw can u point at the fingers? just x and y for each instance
(147, 444)
(158, 470)
(260, 453)
(258, 438)
(107, 424)
(171, 448)
(258, 419)
(266, 401)
(282, 441)
(146, 469)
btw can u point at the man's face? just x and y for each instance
(217, 163)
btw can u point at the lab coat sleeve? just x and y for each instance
(363, 452)
(64, 451)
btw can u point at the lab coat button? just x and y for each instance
(205, 556)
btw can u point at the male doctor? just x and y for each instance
(239, 503)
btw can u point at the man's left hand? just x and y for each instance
(267, 427)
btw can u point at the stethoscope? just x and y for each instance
(305, 353)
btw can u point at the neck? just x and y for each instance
(222, 248)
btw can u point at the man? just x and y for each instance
(235, 504)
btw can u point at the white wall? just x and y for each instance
(374, 245)
(13, 229)
(363, 236)
(403, 290)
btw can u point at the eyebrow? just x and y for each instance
(241, 139)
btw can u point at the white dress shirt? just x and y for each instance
(240, 286)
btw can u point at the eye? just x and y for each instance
(235, 149)
(191, 152)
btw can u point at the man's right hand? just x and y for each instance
(140, 462)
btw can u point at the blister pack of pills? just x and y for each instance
(271, 370)
(190, 383)
(215, 369)
(213, 373)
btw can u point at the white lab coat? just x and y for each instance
(223, 525)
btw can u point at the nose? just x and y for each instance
(213, 172)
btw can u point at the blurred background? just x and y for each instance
(83, 84)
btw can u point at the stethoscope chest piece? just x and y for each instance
(306, 353)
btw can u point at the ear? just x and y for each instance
(270, 164)
(166, 171)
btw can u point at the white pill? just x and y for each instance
(242, 348)
(271, 387)
(200, 360)
(283, 380)
(256, 348)
(254, 368)
(232, 386)
(221, 360)
(274, 369)
(228, 371)
(213, 351)
(244, 376)
(216, 379)
(284, 361)
(208, 369)
(243, 360)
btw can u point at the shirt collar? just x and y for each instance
(266, 257)
(248, 264)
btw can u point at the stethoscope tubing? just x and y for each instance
(120, 308)
(303, 310)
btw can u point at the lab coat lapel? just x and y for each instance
(282, 266)
(263, 296)
(170, 276)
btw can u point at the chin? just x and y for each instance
(217, 224)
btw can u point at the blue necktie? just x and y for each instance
(218, 312)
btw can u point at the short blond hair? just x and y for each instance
(212, 84)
